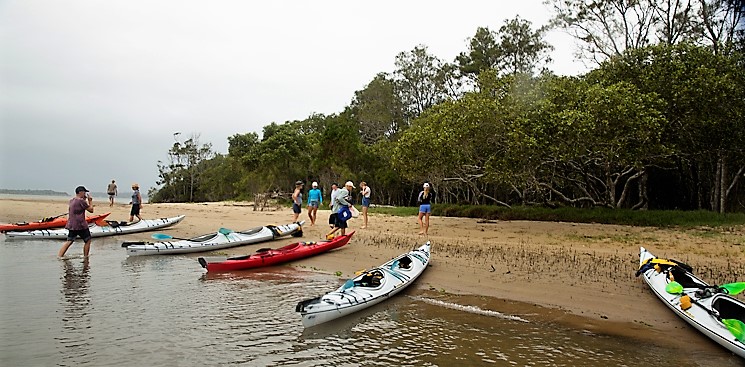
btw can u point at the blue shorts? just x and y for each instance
(314, 204)
(425, 208)
(365, 201)
(296, 208)
(85, 234)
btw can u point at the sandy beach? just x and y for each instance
(578, 274)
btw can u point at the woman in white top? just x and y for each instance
(365, 191)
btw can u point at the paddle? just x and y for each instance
(49, 219)
(735, 326)
(162, 236)
(730, 288)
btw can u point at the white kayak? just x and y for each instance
(369, 288)
(114, 228)
(708, 305)
(214, 241)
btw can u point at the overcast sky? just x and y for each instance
(94, 90)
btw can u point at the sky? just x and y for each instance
(93, 90)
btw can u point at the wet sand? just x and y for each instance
(581, 275)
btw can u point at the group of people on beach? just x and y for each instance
(342, 207)
(81, 203)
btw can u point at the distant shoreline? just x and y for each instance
(33, 192)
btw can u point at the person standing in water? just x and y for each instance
(315, 199)
(365, 192)
(425, 208)
(111, 190)
(297, 200)
(136, 203)
(76, 225)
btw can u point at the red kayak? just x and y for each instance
(267, 257)
(47, 223)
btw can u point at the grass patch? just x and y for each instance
(644, 218)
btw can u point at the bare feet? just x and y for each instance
(421, 232)
(363, 227)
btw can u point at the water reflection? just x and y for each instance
(75, 338)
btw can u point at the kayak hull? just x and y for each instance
(699, 314)
(114, 228)
(269, 257)
(214, 241)
(364, 290)
(54, 223)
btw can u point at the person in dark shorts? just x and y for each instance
(136, 203)
(332, 216)
(76, 224)
(111, 190)
(297, 200)
(341, 200)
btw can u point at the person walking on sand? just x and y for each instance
(136, 203)
(315, 199)
(365, 192)
(111, 190)
(297, 200)
(425, 208)
(76, 225)
(341, 200)
(332, 216)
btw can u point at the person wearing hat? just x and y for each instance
(297, 200)
(315, 199)
(425, 209)
(136, 203)
(76, 225)
(341, 200)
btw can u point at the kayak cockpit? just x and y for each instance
(728, 308)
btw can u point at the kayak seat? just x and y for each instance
(265, 249)
(371, 279)
(682, 277)
(404, 262)
(728, 309)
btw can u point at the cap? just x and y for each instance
(298, 182)
(349, 183)
(426, 184)
(80, 189)
(315, 184)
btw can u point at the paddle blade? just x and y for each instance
(736, 327)
(101, 222)
(674, 288)
(348, 284)
(225, 231)
(161, 236)
(734, 288)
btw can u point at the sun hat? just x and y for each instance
(315, 184)
(349, 183)
(426, 184)
(136, 185)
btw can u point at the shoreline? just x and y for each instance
(579, 275)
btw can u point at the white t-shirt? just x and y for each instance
(366, 192)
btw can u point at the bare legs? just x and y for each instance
(67, 244)
(313, 215)
(423, 225)
(364, 217)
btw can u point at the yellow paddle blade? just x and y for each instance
(736, 327)
(674, 288)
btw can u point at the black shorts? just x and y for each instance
(332, 219)
(296, 208)
(72, 234)
(340, 223)
(135, 209)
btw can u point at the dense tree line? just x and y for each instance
(658, 124)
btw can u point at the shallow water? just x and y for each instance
(164, 311)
